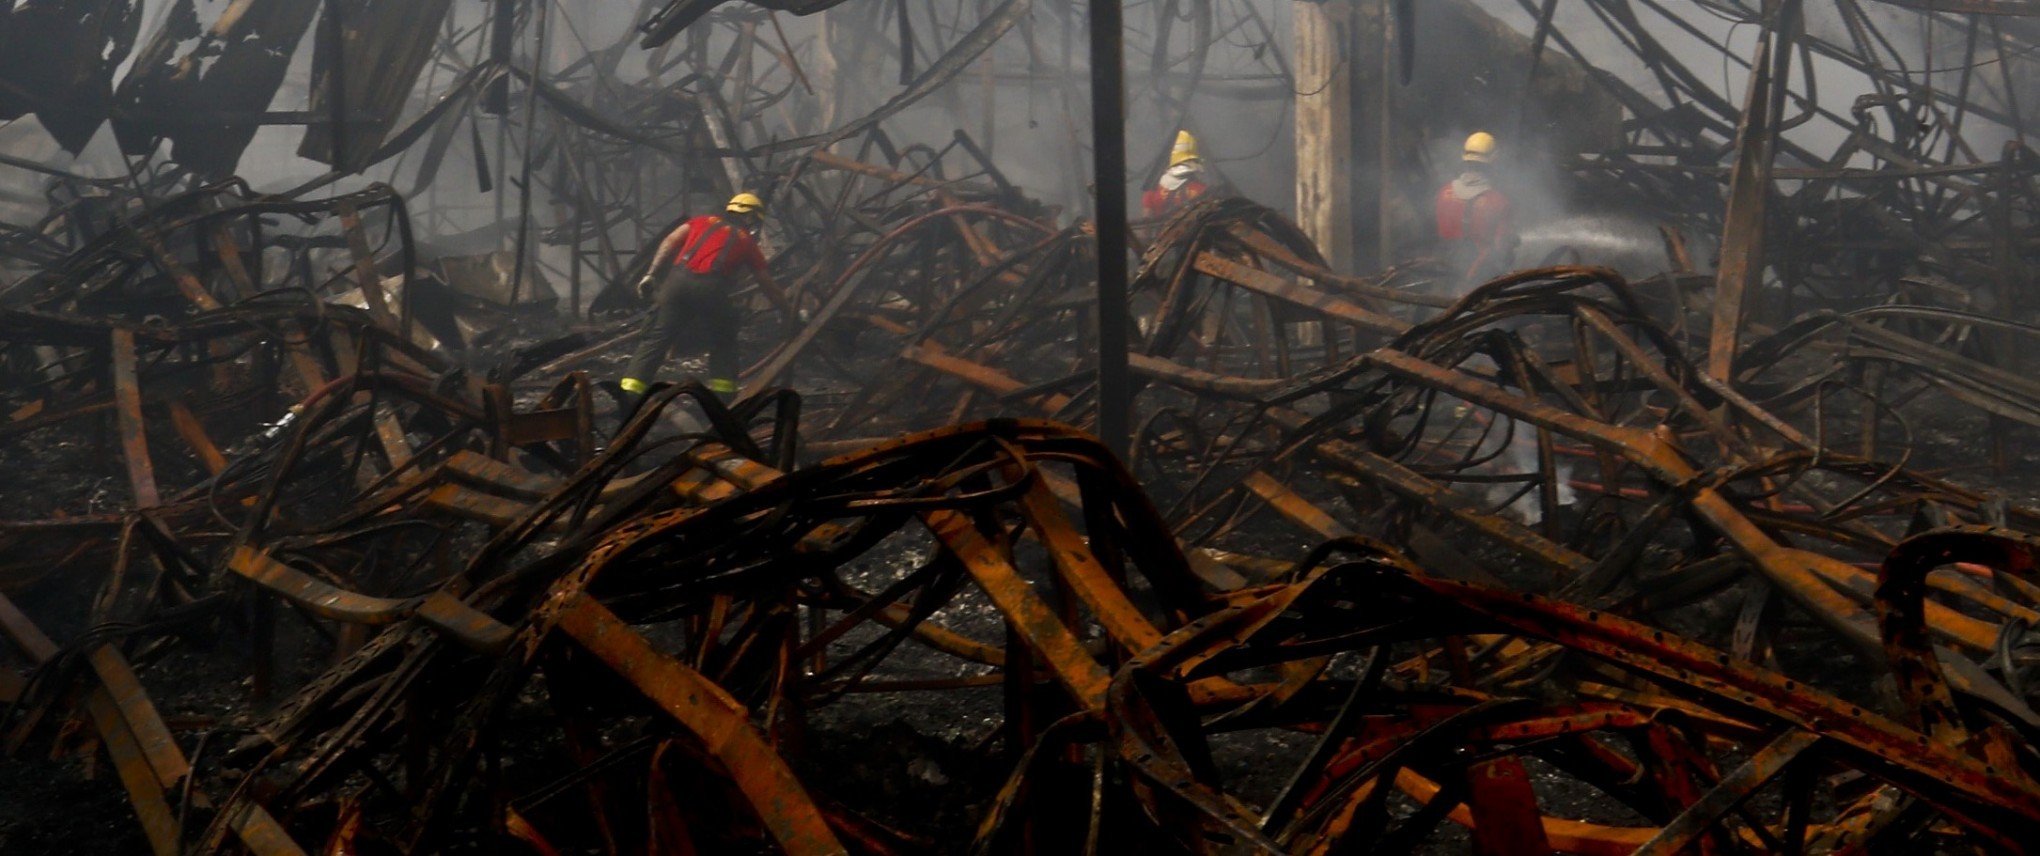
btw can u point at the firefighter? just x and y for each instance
(1181, 184)
(1474, 226)
(691, 286)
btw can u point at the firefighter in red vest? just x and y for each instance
(1475, 230)
(1181, 185)
(691, 286)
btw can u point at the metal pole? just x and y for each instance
(1384, 190)
(334, 39)
(536, 21)
(1108, 144)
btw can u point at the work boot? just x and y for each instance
(629, 395)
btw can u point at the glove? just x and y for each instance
(644, 287)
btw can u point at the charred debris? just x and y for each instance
(326, 531)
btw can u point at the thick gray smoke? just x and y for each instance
(1216, 67)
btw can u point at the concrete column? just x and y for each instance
(1321, 51)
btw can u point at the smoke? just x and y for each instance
(1220, 71)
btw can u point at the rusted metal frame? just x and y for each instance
(1807, 44)
(145, 754)
(1268, 248)
(439, 610)
(940, 638)
(1794, 570)
(1568, 836)
(1504, 809)
(1684, 831)
(1654, 370)
(187, 282)
(591, 768)
(1953, 781)
(1522, 365)
(601, 556)
(2021, 8)
(1819, 579)
(1198, 381)
(227, 250)
(1889, 85)
(870, 399)
(611, 261)
(1276, 819)
(1117, 511)
(1953, 364)
(1012, 319)
(1482, 720)
(1654, 59)
(1083, 573)
(1998, 401)
(194, 435)
(1059, 737)
(1862, 33)
(1364, 801)
(1231, 491)
(1408, 483)
(1673, 74)
(1272, 334)
(1361, 779)
(933, 586)
(1293, 506)
(1275, 287)
(981, 247)
(146, 795)
(111, 591)
(830, 160)
(1396, 738)
(1861, 820)
(365, 276)
(965, 302)
(978, 374)
(1145, 744)
(1742, 251)
(1031, 617)
(128, 415)
(1900, 597)
(339, 751)
(1287, 502)
(390, 436)
(718, 720)
(1586, 366)
(119, 688)
(1877, 346)
(1179, 300)
(846, 285)
(1863, 61)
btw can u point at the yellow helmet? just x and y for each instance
(1480, 148)
(744, 203)
(1185, 149)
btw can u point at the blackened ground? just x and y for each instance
(50, 807)
(926, 762)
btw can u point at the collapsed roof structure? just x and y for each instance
(323, 532)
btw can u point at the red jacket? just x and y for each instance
(716, 247)
(1478, 231)
(1485, 221)
(1157, 202)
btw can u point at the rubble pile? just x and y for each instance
(331, 532)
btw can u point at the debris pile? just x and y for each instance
(541, 633)
(330, 540)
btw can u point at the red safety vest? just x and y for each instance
(1156, 201)
(717, 247)
(1483, 221)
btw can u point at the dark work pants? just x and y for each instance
(693, 309)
